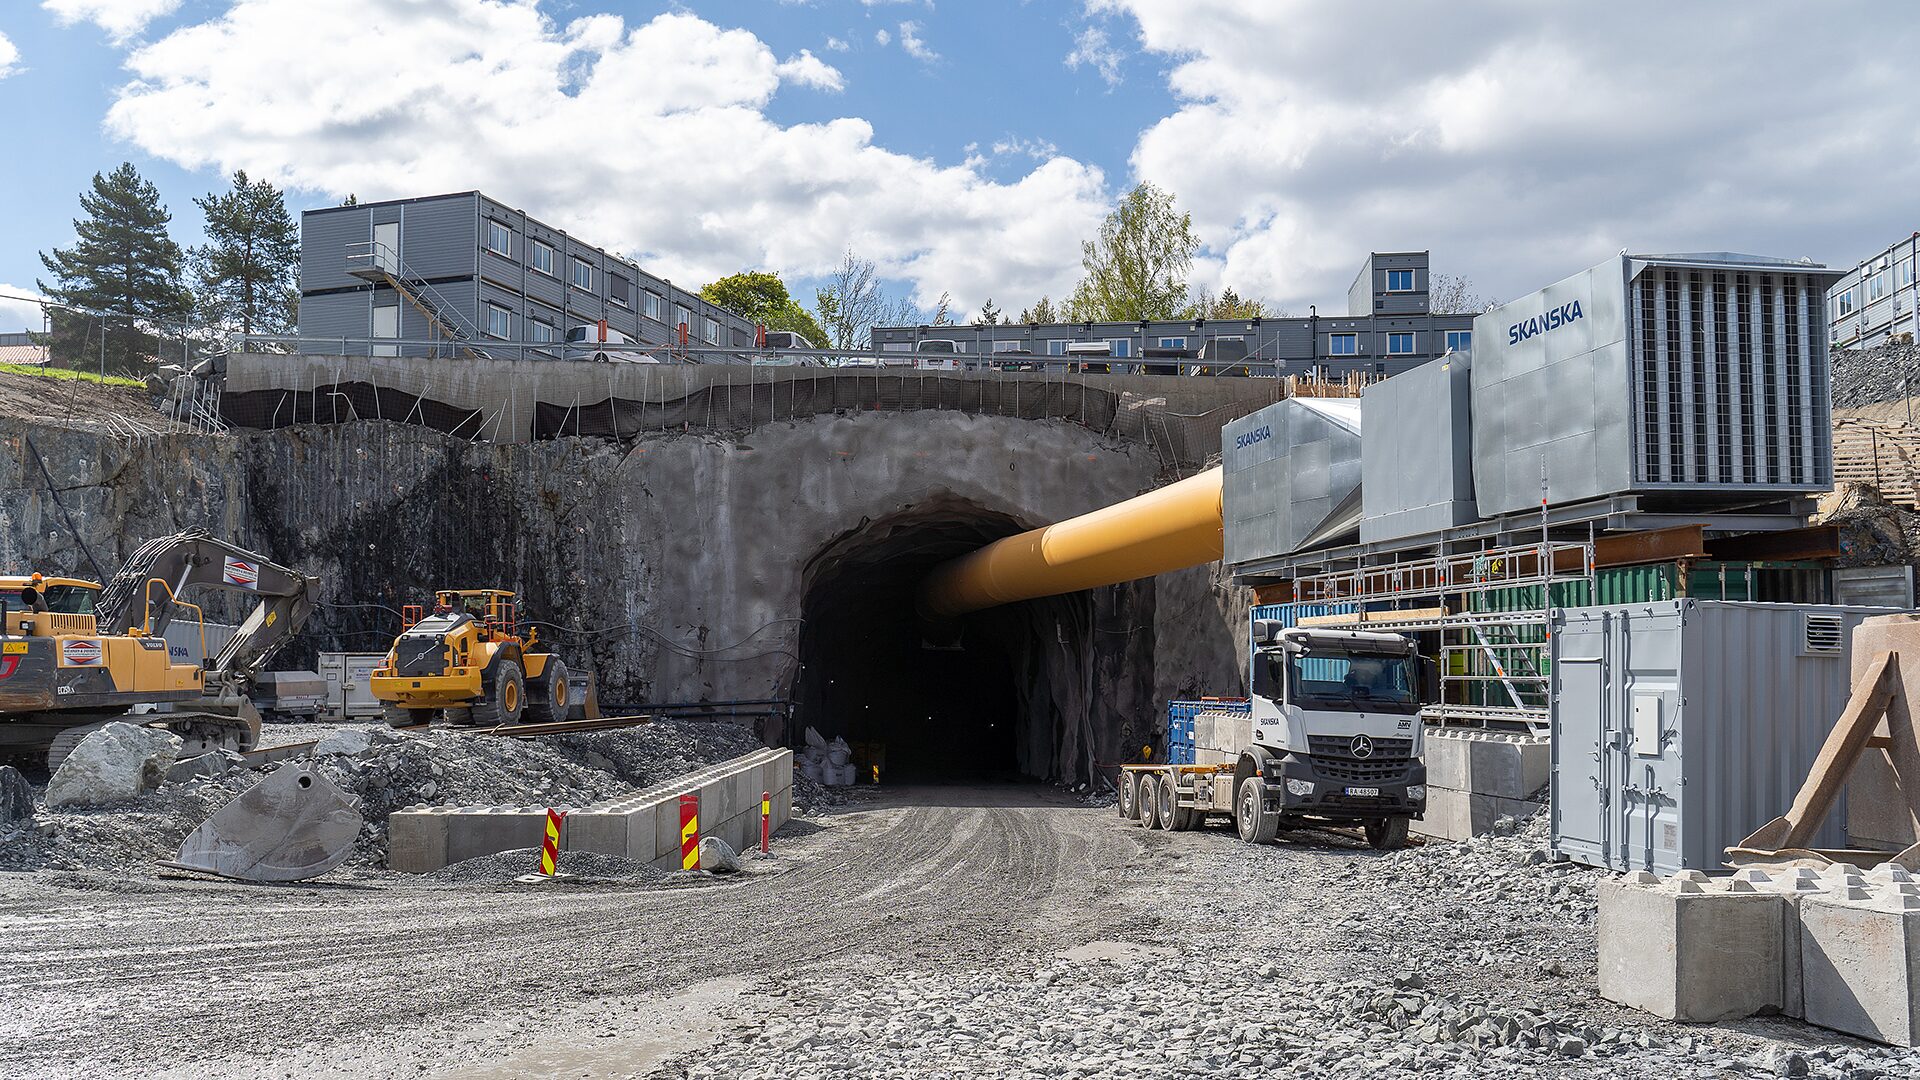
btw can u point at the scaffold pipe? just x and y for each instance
(1169, 528)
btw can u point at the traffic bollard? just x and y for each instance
(690, 832)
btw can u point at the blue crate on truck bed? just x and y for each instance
(1180, 716)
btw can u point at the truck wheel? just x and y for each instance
(506, 701)
(399, 717)
(1256, 824)
(1149, 804)
(1386, 834)
(1181, 817)
(549, 694)
(1165, 805)
(1129, 801)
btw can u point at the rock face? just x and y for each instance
(16, 796)
(118, 763)
(717, 856)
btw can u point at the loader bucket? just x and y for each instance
(294, 825)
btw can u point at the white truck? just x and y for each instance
(1333, 735)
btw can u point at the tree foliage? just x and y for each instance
(1451, 294)
(853, 302)
(763, 298)
(989, 315)
(1042, 311)
(1136, 268)
(122, 263)
(1228, 305)
(247, 275)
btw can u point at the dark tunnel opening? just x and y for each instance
(983, 702)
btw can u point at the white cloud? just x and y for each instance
(1037, 149)
(809, 70)
(1091, 49)
(1521, 142)
(9, 57)
(19, 314)
(121, 19)
(651, 139)
(881, 37)
(835, 44)
(915, 47)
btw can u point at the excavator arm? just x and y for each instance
(143, 594)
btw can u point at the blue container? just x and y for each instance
(1180, 716)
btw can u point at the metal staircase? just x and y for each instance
(375, 262)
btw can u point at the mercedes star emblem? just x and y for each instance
(1361, 746)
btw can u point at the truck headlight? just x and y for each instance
(1417, 792)
(1299, 787)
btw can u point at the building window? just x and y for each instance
(1844, 304)
(712, 334)
(1057, 347)
(1399, 344)
(499, 322)
(620, 290)
(1903, 274)
(1343, 344)
(499, 239)
(682, 317)
(653, 306)
(896, 346)
(581, 272)
(1459, 340)
(1399, 281)
(1009, 346)
(540, 331)
(542, 258)
(1877, 286)
(1120, 346)
(1173, 343)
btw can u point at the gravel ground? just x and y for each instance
(922, 933)
(445, 767)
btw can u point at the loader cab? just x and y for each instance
(492, 609)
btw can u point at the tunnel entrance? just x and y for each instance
(983, 703)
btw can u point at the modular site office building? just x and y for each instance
(1875, 301)
(450, 274)
(1387, 329)
(1649, 410)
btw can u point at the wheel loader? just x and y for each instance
(75, 655)
(468, 661)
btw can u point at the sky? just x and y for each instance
(969, 148)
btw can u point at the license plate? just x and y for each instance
(1364, 792)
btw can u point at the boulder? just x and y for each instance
(717, 856)
(16, 796)
(115, 764)
(212, 763)
(353, 742)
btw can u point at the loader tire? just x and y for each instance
(1255, 823)
(506, 699)
(548, 698)
(399, 717)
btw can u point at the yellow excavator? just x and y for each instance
(75, 655)
(468, 660)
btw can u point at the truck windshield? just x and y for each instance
(1358, 681)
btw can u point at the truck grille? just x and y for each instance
(1333, 759)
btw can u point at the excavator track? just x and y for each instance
(200, 733)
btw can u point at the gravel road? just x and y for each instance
(927, 932)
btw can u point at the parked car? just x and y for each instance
(608, 344)
(937, 354)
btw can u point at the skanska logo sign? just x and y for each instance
(1550, 319)
(1259, 434)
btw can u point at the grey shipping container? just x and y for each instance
(184, 640)
(348, 696)
(1679, 727)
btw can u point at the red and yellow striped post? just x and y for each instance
(690, 832)
(766, 821)
(550, 848)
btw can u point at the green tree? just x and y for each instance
(1137, 267)
(763, 298)
(1041, 312)
(123, 265)
(247, 276)
(1228, 305)
(989, 315)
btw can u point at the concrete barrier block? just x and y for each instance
(493, 830)
(605, 833)
(1447, 761)
(1500, 764)
(1860, 961)
(1877, 815)
(1457, 815)
(666, 830)
(1792, 885)
(416, 841)
(1691, 949)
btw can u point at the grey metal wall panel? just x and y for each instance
(1874, 586)
(1417, 457)
(439, 237)
(334, 315)
(1291, 477)
(324, 237)
(1681, 726)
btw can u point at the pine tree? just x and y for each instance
(1041, 312)
(989, 315)
(122, 264)
(247, 276)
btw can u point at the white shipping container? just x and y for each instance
(349, 697)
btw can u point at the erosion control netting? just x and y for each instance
(1182, 424)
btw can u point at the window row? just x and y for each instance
(499, 324)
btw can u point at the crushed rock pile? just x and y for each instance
(1866, 376)
(392, 772)
(1873, 532)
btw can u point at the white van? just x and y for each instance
(608, 344)
(937, 354)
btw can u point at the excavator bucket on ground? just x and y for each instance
(294, 825)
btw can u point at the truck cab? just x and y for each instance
(1335, 730)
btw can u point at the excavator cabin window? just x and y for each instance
(70, 599)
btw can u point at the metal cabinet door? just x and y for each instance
(1583, 725)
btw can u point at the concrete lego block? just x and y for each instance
(605, 833)
(1500, 764)
(1860, 961)
(476, 831)
(1792, 885)
(1691, 948)
(416, 841)
(1457, 815)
